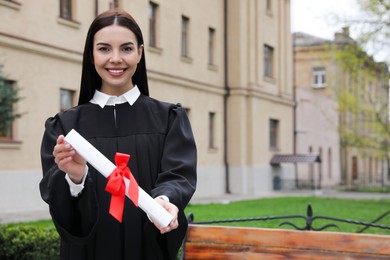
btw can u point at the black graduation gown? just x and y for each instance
(162, 150)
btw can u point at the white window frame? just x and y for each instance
(319, 77)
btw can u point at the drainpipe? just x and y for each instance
(295, 109)
(225, 98)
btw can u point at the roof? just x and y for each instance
(304, 39)
(295, 158)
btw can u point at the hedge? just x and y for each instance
(25, 242)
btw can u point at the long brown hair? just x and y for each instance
(90, 80)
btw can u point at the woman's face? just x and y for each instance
(116, 54)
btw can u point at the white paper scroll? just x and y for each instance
(106, 167)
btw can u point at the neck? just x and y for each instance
(116, 91)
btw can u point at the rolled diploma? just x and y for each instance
(106, 167)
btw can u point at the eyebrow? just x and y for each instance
(107, 44)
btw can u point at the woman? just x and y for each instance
(115, 114)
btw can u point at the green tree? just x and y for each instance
(372, 27)
(362, 89)
(375, 29)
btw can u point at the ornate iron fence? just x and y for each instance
(309, 219)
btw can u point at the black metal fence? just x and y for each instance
(309, 220)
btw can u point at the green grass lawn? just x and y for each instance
(359, 210)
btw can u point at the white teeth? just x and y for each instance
(116, 71)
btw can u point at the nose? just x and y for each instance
(116, 57)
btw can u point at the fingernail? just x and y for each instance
(67, 146)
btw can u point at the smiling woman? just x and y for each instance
(115, 114)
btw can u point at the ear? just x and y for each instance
(140, 50)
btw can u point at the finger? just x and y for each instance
(60, 139)
(61, 159)
(62, 162)
(64, 155)
(61, 146)
(174, 224)
(66, 164)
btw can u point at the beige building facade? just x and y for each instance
(260, 101)
(229, 63)
(317, 117)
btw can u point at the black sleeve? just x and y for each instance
(177, 178)
(74, 218)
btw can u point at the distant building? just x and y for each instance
(343, 136)
(228, 62)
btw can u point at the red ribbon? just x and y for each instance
(117, 187)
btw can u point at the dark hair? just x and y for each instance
(90, 80)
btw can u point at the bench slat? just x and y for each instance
(220, 242)
(199, 251)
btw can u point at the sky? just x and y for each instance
(315, 16)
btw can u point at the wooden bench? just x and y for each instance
(222, 242)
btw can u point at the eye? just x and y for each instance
(127, 49)
(104, 49)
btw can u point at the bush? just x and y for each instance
(29, 242)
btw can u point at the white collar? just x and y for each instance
(102, 99)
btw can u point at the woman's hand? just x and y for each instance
(173, 210)
(68, 160)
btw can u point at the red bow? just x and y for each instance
(117, 187)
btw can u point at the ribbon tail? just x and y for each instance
(133, 190)
(116, 206)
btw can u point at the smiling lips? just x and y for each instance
(116, 72)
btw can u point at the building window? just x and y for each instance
(185, 36)
(66, 99)
(388, 174)
(153, 8)
(320, 172)
(371, 177)
(319, 77)
(8, 97)
(211, 130)
(66, 11)
(329, 163)
(273, 133)
(211, 46)
(114, 4)
(355, 172)
(268, 61)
